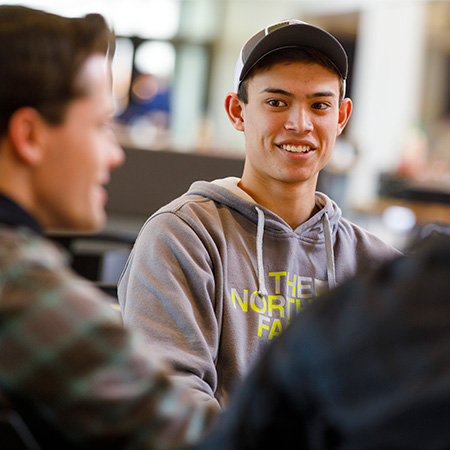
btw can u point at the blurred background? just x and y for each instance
(174, 65)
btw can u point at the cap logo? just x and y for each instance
(274, 27)
(282, 24)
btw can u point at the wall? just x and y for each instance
(150, 179)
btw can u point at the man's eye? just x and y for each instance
(321, 106)
(276, 103)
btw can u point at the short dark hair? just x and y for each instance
(290, 55)
(40, 57)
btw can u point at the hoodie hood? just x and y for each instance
(226, 191)
(321, 227)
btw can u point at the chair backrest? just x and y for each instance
(97, 257)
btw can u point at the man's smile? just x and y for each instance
(295, 148)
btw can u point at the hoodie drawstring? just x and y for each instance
(331, 268)
(259, 252)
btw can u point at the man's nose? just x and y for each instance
(299, 120)
(116, 155)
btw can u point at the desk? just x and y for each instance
(430, 202)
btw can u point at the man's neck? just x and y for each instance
(294, 203)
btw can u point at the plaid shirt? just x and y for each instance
(65, 350)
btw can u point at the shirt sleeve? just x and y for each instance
(168, 292)
(66, 351)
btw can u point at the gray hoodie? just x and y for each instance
(214, 277)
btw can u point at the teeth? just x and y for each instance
(296, 149)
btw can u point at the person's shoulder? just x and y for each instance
(34, 264)
(21, 246)
(189, 208)
(365, 239)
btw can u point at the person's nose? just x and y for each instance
(116, 155)
(299, 120)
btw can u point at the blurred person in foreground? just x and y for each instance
(221, 271)
(66, 361)
(366, 368)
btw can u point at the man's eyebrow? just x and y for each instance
(276, 91)
(322, 94)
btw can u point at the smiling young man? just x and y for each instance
(218, 273)
(67, 363)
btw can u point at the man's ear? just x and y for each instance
(234, 110)
(345, 110)
(26, 128)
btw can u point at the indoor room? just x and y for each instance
(173, 67)
(224, 224)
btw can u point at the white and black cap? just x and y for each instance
(285, 34)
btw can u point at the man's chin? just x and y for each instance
(94, 226)
(87, 225)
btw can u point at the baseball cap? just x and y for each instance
(285, 34)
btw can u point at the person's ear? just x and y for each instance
(26, 132)
(345, 110)
(233, 107)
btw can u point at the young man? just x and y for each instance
(367, 367)
(219, 272)
(66, 361)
